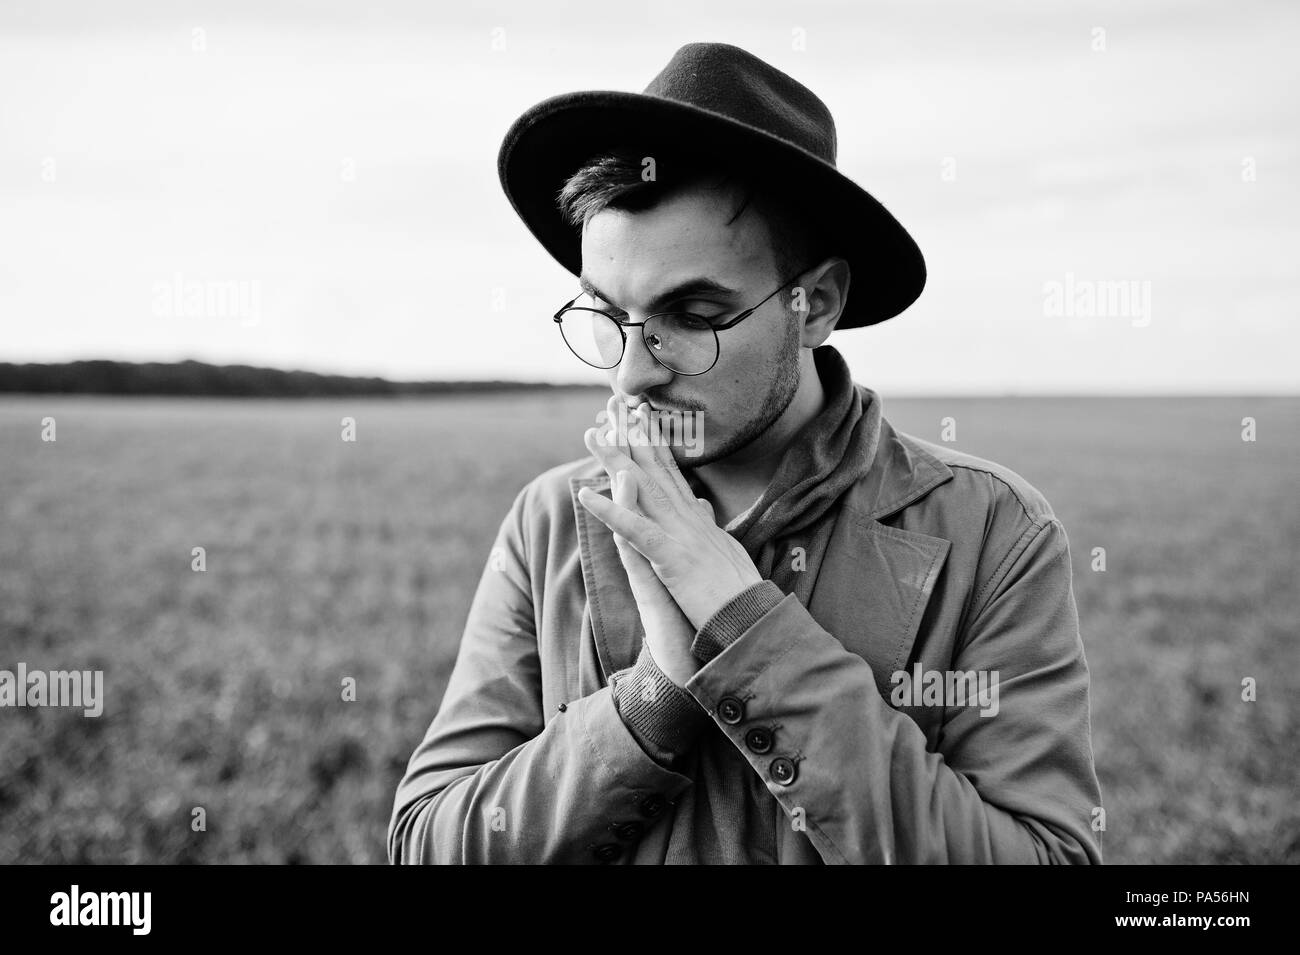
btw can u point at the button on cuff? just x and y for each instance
(652, 805)
(731, 710)
(607, 852)
(627, 831)
(783, 770)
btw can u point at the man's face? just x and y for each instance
(632, 260)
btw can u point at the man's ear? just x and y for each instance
(823, 293)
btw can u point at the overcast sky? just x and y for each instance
(336, 164)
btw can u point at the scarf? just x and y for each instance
(797, 508)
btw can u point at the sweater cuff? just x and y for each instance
(664, 717)
(736, 616)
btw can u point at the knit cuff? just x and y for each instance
(736, 616)
(664, 717)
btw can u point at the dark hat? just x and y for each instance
(720, 101)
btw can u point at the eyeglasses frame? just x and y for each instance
(717, 352)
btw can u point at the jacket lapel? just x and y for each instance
(615, 622)
(873, 588)
(876, 580)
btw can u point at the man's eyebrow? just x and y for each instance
(700, 285)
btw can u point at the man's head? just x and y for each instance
(643, 238)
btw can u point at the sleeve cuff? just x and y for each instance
(738, 615)
(664, 717)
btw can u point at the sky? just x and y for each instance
(1106, 194)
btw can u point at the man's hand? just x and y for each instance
(701, 565)
(668, 634)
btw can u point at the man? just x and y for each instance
(805, 638)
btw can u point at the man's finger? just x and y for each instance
(641, 533)
(664, 462)
(612, 457)
(653, 497)
(611, 414)
(624, 494)
(605, 435)
(625, 491)
(646, 451)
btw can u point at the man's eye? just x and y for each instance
(705, 310)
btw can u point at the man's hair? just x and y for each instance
(614, 180)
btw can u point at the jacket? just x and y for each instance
(825, 738)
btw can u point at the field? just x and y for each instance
(328, 560)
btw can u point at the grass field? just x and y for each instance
(328, 560)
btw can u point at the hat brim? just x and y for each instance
(549, 142)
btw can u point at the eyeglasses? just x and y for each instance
(684, 343)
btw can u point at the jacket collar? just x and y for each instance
(901, 473)
(873, 583)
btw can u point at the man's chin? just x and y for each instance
(692, 457)
(701, 453)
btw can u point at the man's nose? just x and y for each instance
(638, 372)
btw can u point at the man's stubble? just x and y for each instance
(784, 375)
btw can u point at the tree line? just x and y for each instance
(104, 377)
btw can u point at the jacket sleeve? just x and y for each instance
(493, 781)
(1014, 786)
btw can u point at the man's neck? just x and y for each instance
(737, 481)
